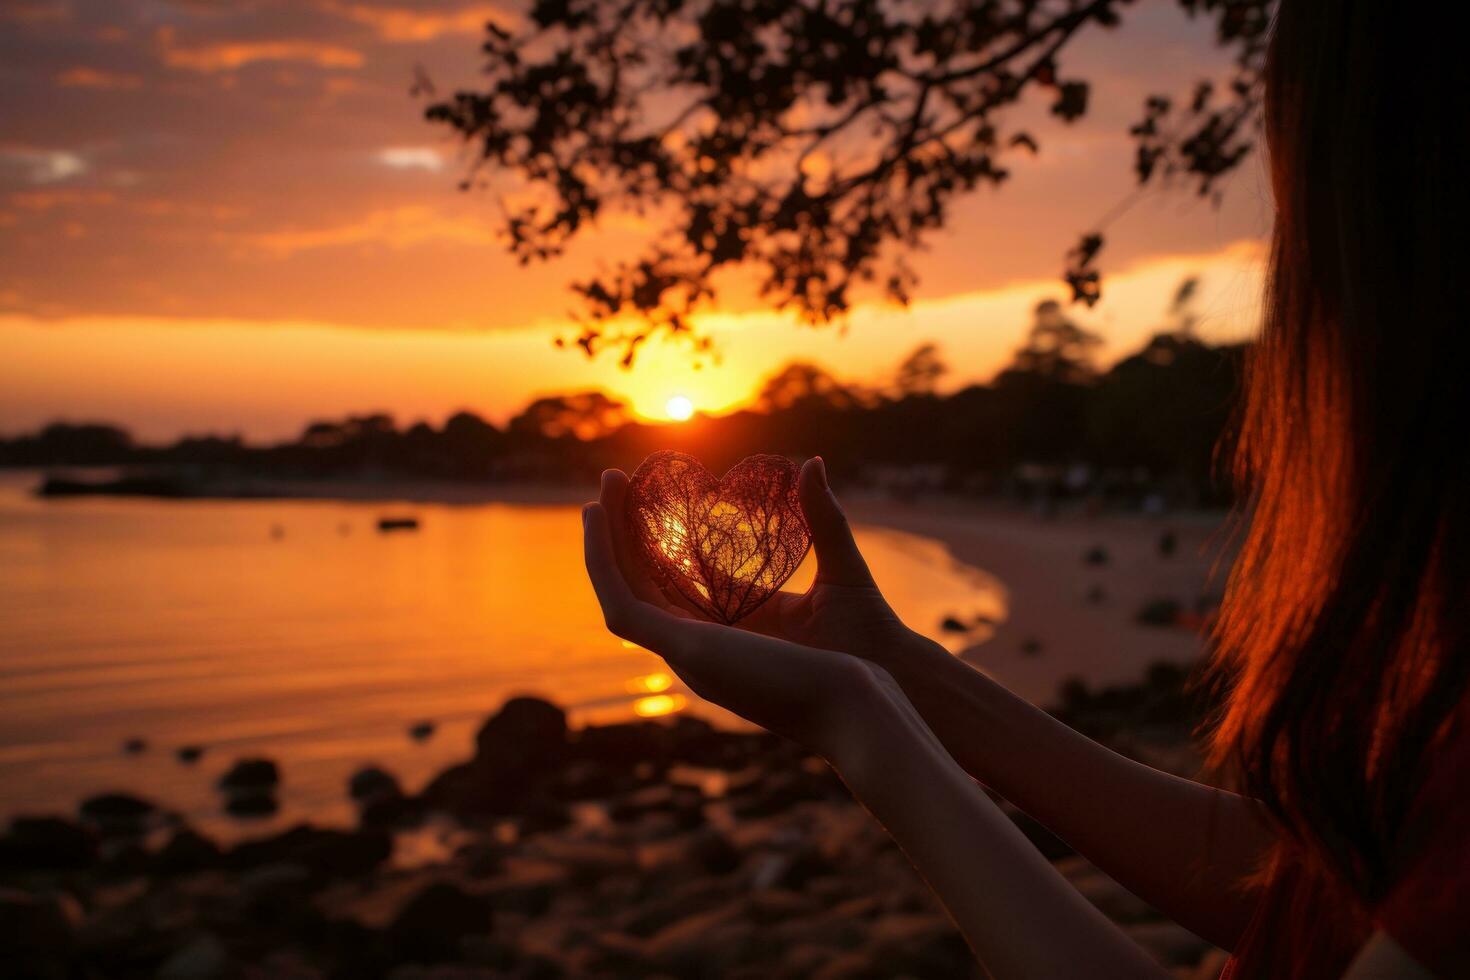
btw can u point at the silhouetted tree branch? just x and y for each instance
(813, 142)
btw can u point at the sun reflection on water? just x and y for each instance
(649, 684)
(323, 649)
(659, 704)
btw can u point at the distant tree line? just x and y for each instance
(1051, 423)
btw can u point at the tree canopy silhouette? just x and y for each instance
(806, 386)
(814, 142)
(582, 415)
(919, 373)
(1056, 349)
(1051, 410)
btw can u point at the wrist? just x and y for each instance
(907, 651)
(869, 711)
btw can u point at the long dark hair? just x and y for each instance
(1344, 625)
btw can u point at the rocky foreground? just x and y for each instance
(646, 849)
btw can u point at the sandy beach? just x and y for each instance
(1056, 626)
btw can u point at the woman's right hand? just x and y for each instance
(823, 699)
(844, 608)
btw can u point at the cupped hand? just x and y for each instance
(805, 693)
(844, 608)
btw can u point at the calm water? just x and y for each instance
(295, 630)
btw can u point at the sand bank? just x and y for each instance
(1057, 625)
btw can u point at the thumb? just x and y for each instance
(838, 559)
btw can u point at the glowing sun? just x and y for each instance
(679, 408)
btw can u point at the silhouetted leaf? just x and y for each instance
(813, 142)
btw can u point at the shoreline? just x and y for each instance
(1065, 618)
(1058, 626)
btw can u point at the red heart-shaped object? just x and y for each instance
(725, 546)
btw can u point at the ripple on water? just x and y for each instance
(260, 628)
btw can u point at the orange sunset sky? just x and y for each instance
(230, 217)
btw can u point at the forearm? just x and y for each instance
(1019, 915)
(1180, 845)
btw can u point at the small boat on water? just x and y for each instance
(387, 524)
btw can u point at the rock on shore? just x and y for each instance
(652, 848)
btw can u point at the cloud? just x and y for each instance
(35, 11)
(83, 77)
(344, 85)
(158, 207)
(46, 200)
(411, 158)
(74, 198)
(407, 24)
(396, 228)
(44, 166)
(230, 55)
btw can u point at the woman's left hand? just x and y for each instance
(1016, 911)
(810, 695)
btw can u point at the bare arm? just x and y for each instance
(1150, 831)
(1179, 845)
(1020, 916)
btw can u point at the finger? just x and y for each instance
(612, 494)
(624, 613)
(838, 559)
(613, 497)
(772, 616)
